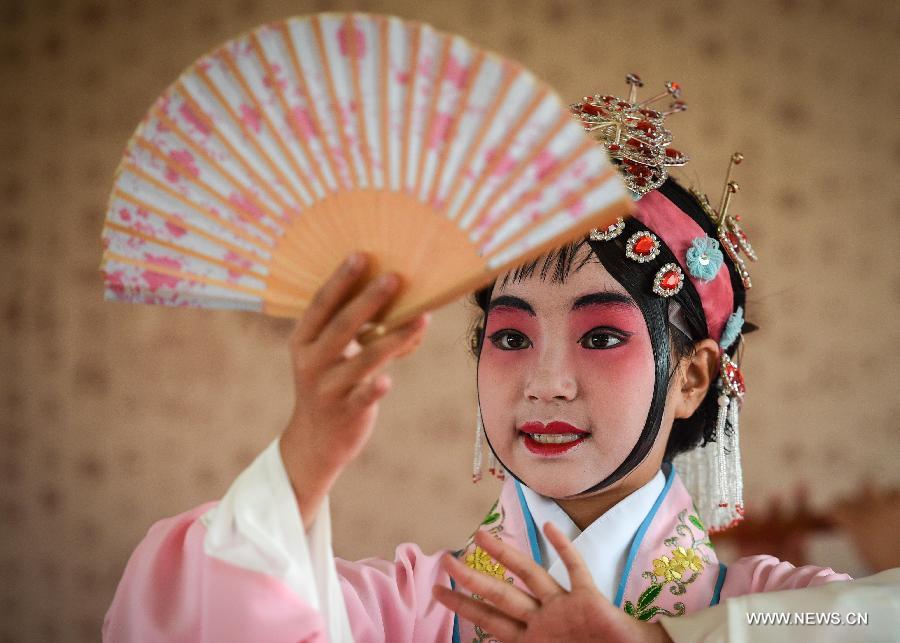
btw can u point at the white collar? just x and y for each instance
(604, 544)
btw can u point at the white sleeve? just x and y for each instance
(865, 609)
(257, 526)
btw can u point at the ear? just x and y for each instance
(697, 373)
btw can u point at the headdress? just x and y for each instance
(639, 143)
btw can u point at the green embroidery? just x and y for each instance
(675, 571)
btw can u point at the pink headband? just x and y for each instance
(677, 230)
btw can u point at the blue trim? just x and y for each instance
(639, 536)
(719, 582)
(529, 526)
(455, 616)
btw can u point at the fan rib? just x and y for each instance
(329, 82)
(292, 125)
(499, 153)
(197, 149)
(313, 112)
(269, 237)
(180, 274)
(517, 173)
(131, 232)
(195, 180)
(410, 96)
(535, 191)
(247, 135)
(238, 207)
(509, 73)
(598, 181)
(471, 76)
(236, 249)
(429, 123)
(276, 135)
(235, 153)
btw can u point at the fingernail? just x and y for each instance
(387, 282)
(353, 261)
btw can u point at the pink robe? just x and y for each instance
(173, 590)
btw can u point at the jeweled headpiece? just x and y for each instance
(731, 235)
(634, 135)
(638, 142)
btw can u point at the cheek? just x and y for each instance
(619, 384)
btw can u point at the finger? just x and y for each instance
(329, 298)
(361, 309)
(373, 357)
(541, 584)
(367, 393)
(579, 574)
(487, 617)
(508, 599)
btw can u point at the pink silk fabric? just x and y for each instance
(173, 591)
(677, 230)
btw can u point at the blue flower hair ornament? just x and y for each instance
(704, 258)
(732, 329)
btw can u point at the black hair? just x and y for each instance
(669, 343)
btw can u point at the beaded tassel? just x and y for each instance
(735, 472)
(476, 461)
(494, 466)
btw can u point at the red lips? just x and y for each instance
(551, 428)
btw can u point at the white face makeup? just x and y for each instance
(565, 378)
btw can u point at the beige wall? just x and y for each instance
(114, 416)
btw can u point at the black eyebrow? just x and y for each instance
(606, 298)
(509, 301)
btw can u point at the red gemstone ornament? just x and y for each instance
(668, 281)
(732, 377)
(642, 246)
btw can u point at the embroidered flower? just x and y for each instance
(687, 558)
(480, 561)
(667, 568)
(704, 258)
(732, 329)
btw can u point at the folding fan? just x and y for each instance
(271, 158)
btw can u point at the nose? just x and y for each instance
(553, 378)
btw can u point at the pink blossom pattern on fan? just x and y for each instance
(196, 122)
(246, 205)
(250, 118)
(274, 79)
(304, 122)
(457, 74)
(545, 162)
(355, 47)
(175, 230)
(184, 158)
(157, 280)
(439, 130)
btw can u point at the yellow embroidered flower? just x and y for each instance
(480, 561)
(688, 558)
(667, 568)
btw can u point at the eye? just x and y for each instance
(509, 340)
(602, 338)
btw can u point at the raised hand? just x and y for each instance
(338, 382)
(549, 612)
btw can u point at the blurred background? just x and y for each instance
(113, 416)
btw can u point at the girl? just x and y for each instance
(597, 364)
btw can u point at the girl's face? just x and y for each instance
(565, 378)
